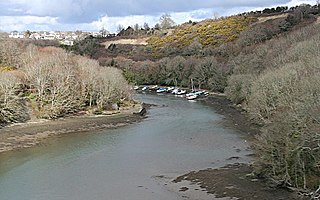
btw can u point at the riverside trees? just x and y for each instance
(52, 83)
(12, 108)
(270, 68)
(278, 84)
(276, 81)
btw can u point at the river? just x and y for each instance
(129, 163)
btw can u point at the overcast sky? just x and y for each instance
(93, 15)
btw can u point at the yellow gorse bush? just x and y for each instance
(208, 33)
(7, 68)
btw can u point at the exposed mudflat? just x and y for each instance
(234, 182)
(33, 133)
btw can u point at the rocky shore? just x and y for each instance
(32, 133)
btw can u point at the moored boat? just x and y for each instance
(161, 90)
(192, 97)
(155, 87)
(170, 89)
(182, 92)
(145, 88)
(175, 91)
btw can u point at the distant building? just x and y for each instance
(35, 36)
(66, 38)
(16, 35)
(67, 42)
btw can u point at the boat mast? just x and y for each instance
(192, 86)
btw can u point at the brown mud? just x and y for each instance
(235, 181)
(26, 135)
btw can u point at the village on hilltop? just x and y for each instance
(65, 38)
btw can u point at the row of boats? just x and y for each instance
(192, 95)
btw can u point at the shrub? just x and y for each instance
(12, 107)
(238, 89)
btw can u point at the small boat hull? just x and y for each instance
(192, 97)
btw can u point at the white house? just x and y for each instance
(49, 35)
(35, 36)
(67, 42)
(16, 35)
(67, 38)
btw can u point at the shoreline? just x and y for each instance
(233, 117)
(33, 133)
(234, 181)
(231, 181)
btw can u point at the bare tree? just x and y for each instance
(157, 26)
(104, 32)
(216, 15)
(166, 21)
(10, 52)
(12, 107)
(136, 27)
(120, 28)
(146, 26)
(88, 74)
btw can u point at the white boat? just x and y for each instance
(199, 92)
(160, 90)
(155, 87)
(190, 94)
(170, 89)
(181, 92)
(192, 97)
(145, 88)
(175, 91)
(136, 87)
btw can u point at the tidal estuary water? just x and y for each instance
(128, 163)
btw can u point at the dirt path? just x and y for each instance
(139, 41)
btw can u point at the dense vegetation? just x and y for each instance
(269, 66)
(208, 33)
(278, 84)
(50, 83)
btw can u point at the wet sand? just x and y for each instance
(26, 135)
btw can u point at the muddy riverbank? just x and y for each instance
(233, 116)
(32, 133)
(234, 181)
(177, 138)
